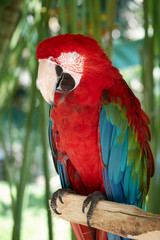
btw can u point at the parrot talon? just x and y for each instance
(58, 195)
(56, 212)
(86, 202)
(60, 199)
(93, 198)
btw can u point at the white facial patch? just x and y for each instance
(72, 63)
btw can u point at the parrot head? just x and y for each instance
(73, 66)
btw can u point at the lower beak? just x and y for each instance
(47, 80)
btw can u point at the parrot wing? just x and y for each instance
(124, 172)
(127, 163)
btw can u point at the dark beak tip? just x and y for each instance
(52, 104)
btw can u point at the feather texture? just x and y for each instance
(124, 180)
(97, 148)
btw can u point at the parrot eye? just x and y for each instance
(66, 83)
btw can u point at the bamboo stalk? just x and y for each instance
(111, 6)
(156, 37)
(63, 17)
(6, 165)
(149, 101)
(25, 166)
(148, 66)
(95, 19)
(83, 18)
(120, 219)
(154, 192)
(73, 15)
(45, 163)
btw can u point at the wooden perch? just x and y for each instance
(125, 220)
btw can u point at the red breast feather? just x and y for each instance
(98, 75)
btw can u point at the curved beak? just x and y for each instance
(47, 80)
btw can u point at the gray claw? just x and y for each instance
(94, 198)
(56, 212)
(86, 202)
(60, 199)
(58, 195)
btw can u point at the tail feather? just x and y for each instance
(100, 235)
(82, 232)
(113, 237)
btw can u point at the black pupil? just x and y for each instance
(59, 70)
(67, 82)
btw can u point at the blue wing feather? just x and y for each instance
(118, 181)
(60, 167)
(107, 184)
(106, 129)
(117, 174)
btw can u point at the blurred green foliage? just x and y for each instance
(129, 32)
(34, 216)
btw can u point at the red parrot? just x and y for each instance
(98, 131)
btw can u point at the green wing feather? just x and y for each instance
(136, 157)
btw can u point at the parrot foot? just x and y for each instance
(92, 198)
(58, 195)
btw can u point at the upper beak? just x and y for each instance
(47, 80)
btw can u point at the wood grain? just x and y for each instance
(121, 219)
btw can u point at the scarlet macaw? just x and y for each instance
(98, 132)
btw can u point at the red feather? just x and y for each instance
(77, 114)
